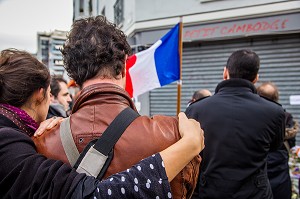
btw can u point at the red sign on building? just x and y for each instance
(265, 25)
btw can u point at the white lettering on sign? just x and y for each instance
(295, 100)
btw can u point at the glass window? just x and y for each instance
(45, 42)
(81, 5)
(103, 12)
(57, 47)
(90, 7)
(118, 11)
(58, 62)
(45, 52)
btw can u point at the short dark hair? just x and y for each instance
(268, 90)
(94, 47)
(243, 64)
(20, 76)
(54, 84)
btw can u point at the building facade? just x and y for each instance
(48, 51)
(212, 30)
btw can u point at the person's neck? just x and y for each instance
(89, 82)
(29, 111)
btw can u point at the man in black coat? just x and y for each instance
(278, 167)
(240, 129)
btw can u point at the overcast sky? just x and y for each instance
(20, 20)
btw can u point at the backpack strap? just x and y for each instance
(114, 131)
(96, 156)
(92, 162)
(67, 141)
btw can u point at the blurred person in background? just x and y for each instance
(278, 167)
(60, 99)
(199, 95)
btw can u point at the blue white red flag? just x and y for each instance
(155, 67)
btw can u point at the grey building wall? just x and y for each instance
(141, 15)
(171, 8)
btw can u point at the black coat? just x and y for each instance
(278, 167)
(26, 174)
(240, 128)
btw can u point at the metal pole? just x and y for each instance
(179, 82)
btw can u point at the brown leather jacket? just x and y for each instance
(95, 109)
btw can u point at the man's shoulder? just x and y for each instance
(271, 104)
(158, 124)
(205, 102)
(160, 120)
(271, 108)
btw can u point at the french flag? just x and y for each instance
(155, 67)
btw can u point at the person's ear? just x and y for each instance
(256, 79)
(39, 95)
(124, 70)
(225, 73)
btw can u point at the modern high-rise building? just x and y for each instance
(48, 51)
(212, 30)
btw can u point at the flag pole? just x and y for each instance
(179, 82)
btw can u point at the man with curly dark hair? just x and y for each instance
(95, 48)
(95, 57)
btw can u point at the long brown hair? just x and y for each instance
(21, 75)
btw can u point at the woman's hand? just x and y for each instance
(178, 155)
(190, 129)
(47, 125)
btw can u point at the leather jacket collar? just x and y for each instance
(103, 93)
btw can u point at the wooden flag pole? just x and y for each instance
(179, 83)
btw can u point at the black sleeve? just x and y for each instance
(26, 174)
(191, 113)
(292, 142)
(289, 123)
(279, 130)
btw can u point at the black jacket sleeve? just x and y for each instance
(26, 174)
(279, 129)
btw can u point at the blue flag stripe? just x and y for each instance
(167, 57)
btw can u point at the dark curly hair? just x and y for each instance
(20, 76)
(94, 47)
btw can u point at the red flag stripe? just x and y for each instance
(129, 63)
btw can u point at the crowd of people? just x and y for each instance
(24, 173)
(239, 151)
